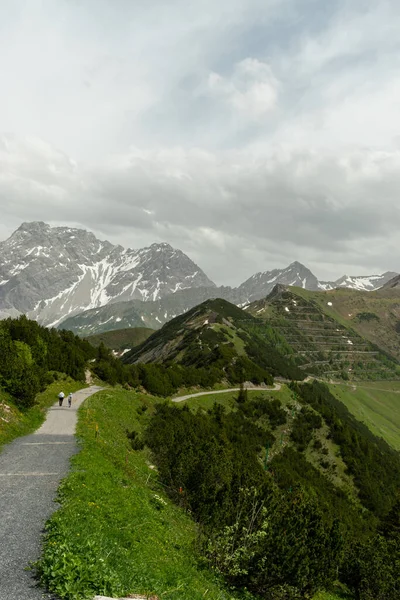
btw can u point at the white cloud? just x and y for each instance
(249, 133)
(252, 89)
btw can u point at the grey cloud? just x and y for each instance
(314, 178)
(288, 207)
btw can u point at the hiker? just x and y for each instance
(70, 399)
(60, 398)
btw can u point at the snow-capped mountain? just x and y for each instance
(364, 283)
(261, 284)
(51, 273)
(54, 273)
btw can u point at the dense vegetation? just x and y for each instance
(288, 531)
(374, 465)
(30, 353)
(219, 335)
(120, 339)
(164, 380)
(116, 532)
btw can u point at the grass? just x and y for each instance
(15, 422)
(116, 531)
(377, 405)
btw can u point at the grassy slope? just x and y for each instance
(305, 327)
(119, 339)
(111, 520)
(116, 531)
(15, 422)
(377, 405)
(347, 304)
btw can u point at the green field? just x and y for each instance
(116, 531)
(376, 404)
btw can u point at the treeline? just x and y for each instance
(288, 531)
(165, 379)
(29, 353)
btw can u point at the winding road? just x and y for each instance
(31, 469)
(276, 388)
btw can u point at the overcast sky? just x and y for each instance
(247, 133)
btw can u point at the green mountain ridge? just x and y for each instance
(217, 333)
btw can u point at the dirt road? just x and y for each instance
(31, 469)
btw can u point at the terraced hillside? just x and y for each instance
(322, 344)
(373, 315)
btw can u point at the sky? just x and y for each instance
(247, 133)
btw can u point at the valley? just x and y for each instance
(223, 408)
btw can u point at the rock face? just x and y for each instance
(57, 274)
(51, 273)
(261, 284)
(363, 283)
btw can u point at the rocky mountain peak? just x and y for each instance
(54, 272)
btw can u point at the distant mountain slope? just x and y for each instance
(366, 283)
(135, 313)
(52, 272)
(217, 333)
(393, 283)
(373, 315)
(325, 341)
(155, 314)
(261, 284)
(121, 339)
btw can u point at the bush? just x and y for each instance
(277, 545)
(372, 569)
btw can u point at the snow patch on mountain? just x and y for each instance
(51, 273)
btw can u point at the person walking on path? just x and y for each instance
(60, 398)
(31, 469)
(70, 399)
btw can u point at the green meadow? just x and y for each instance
(116, 532)
(376, 404)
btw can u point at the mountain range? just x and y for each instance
(64, 276)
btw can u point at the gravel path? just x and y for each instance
(276, 388)
(31, 468)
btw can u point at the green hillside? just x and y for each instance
(121, 339)
(323, 342)
(302, 440)
(218, 334)
(373, 315)
(375, 404)
(149, 545)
